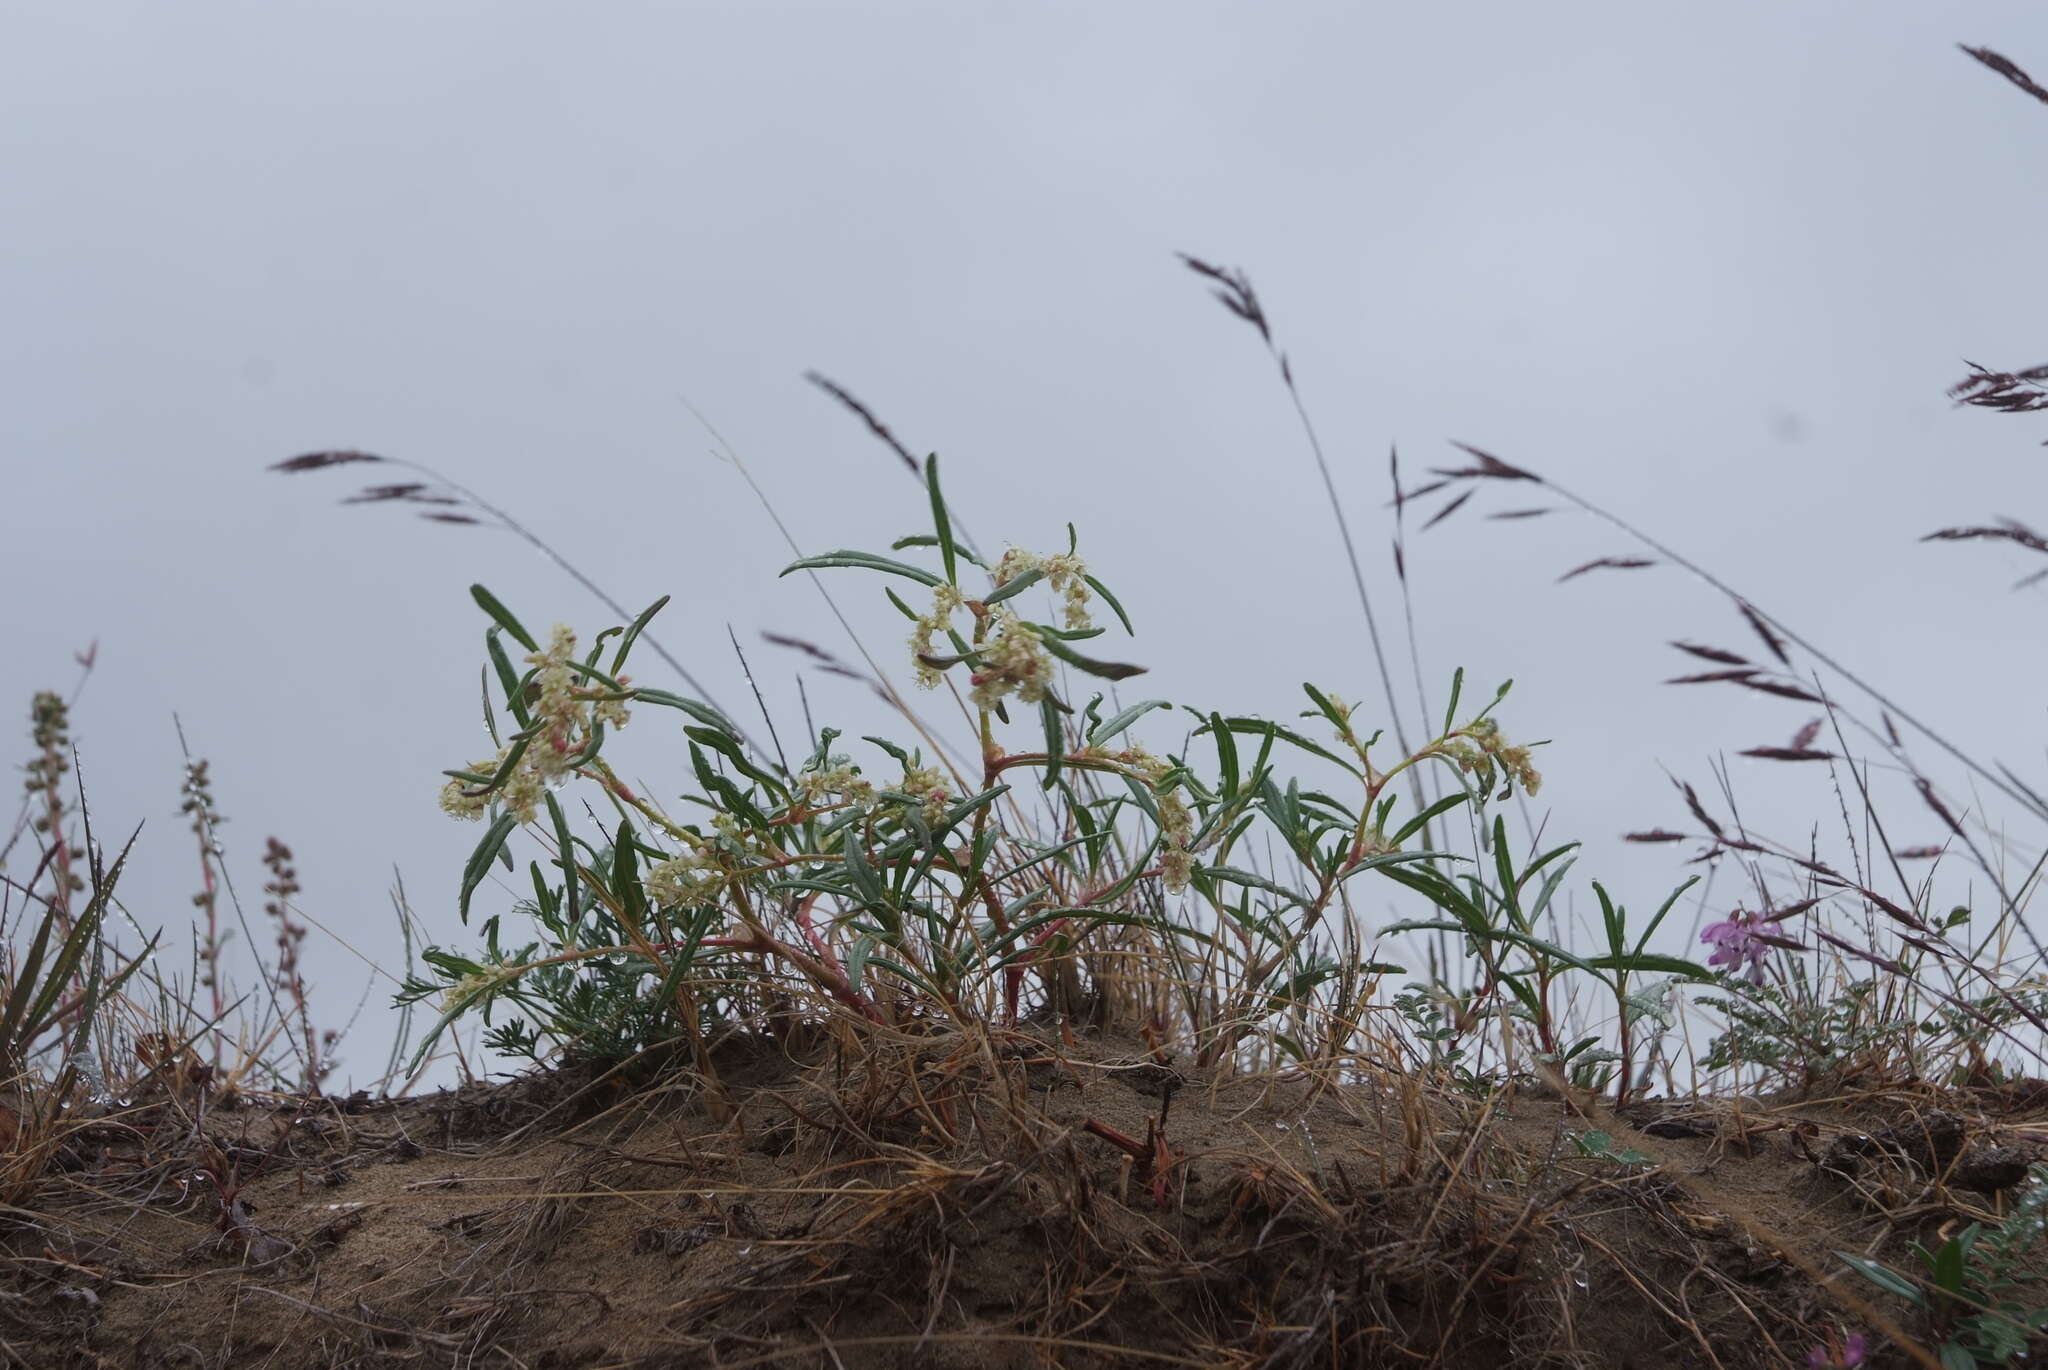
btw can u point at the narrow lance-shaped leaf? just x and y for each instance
(1103, 732)
(940, 521)
(488, 602)
(1457, 688)
(703, 713)
(508, 679)
(866, 561)
(479, 864)
(1055, 741)
(1108, 670)
(927, 540)
(565, 847)
(633, 633)
(1274, 730)
(1014, 586)
(1111, 600)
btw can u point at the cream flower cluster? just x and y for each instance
(563, 719)
(924, 783)
(1065, 573)
(1486, 749)
(1176, 822)
(689, 878)
(1013, 660)
(838, 776)
(945, 599)
(471, 985)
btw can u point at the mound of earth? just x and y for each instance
(989, 1200)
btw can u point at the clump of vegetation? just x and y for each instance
(1074, 871)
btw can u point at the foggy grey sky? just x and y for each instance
(1711, 268)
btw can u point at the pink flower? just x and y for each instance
(1837, 1355)
(1736, 940)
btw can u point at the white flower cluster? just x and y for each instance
(1013, 660)
(689, 878)
(470, 986)
(924, 783)
(838, 776)
(1176, 821)
(1487, 749)
(1066, 573)
(563, 719)
(945, 599)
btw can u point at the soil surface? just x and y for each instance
(1015, 1200)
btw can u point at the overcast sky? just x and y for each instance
(1713, 268)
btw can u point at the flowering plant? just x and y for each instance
(907, 883)
(1737, 945)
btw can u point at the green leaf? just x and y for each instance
(1014, 586)
(1110, 599)
(905, 973)
(866, 561)
(939, 519)
(1226, 755)
(927, 540)
(857, 959)
(1249, 880)
(590, 673)
(1415, 824)
(865, 882)
(626, 878)
(1103, 732)
(28, 1016)
(1423, 925)
(1066, 634)
(1648, 1002)
(1108, 670)
(1885, 1278)
(1948, 1267)
(511, 762)
(1504, 868)
(566, 855)
(971, 803)
(1393, 858)
(1669, 904)
(1457, 688)
(1326, 706)
(703, 713)
(728, 747)
(19, 1029)
(902, 757)
(508, 679)
(1269, 729)
(901, 607)
(1055, 741)
(487, 851)
(633, 633)
(1612, 918)
(488, 602)
(1652, 963)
